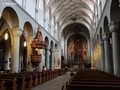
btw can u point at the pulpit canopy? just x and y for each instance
(38, 42)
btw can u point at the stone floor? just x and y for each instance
(54, 84)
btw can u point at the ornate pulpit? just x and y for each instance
(37, 43)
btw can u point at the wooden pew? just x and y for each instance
(22, 81)
(93, 79)
(8, 84)
(2, 82)
(28, 80)
(96, 83)
(91, 87)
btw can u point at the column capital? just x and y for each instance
(114, 26)
(106, 36)
(52, 50)
(101, 42)
(17, 32)
(48, 47)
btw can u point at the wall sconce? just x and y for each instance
(6, 36)
(24, 43)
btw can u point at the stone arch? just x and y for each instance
(51, 57)
(5, 44)
(47, 52)
(115, 10)
(58, 61)
(10, 15)
(46, 41)
(79, 25)
(56, 47)
(4, 27)
(76, 28)
(100, 33)
(51, 45)
(27, 32)
(28, 29)
(106, 28)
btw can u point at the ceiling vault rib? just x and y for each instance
(59, 9)
(63, 10)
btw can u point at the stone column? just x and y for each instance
(99, 60)
(108, 57)
(97, 57)
(89, 53)
(47, 57)
(17, 32)
(102, 55)
(65, 54)
(94, 58)
(114, 28)
(52, 60)
(92, 55)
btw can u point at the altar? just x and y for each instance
(77, 52)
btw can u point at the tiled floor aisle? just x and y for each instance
(54, 84)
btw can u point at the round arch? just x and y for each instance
(5, 44)
(11, 17)
(115, 10)
(51, 45)
(46, 41)
(100, 33)
(28, 29)
(82, 23)
(106, 28)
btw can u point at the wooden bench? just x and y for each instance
(91, 87)
(93, 79)
(8, 84)
(27, 80)
(21, 81)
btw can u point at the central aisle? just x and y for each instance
(54, 84)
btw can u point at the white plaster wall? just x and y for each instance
(103, 3)
(105, 12)
(19, 2)
(40, 18)
(30, 7)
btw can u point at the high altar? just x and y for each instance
(77, 51)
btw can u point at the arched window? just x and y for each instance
(41, 4)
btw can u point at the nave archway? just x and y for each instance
(76, 45)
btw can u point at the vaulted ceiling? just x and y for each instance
(64, 11)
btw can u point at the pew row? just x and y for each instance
(27, 80)
(88, 79)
